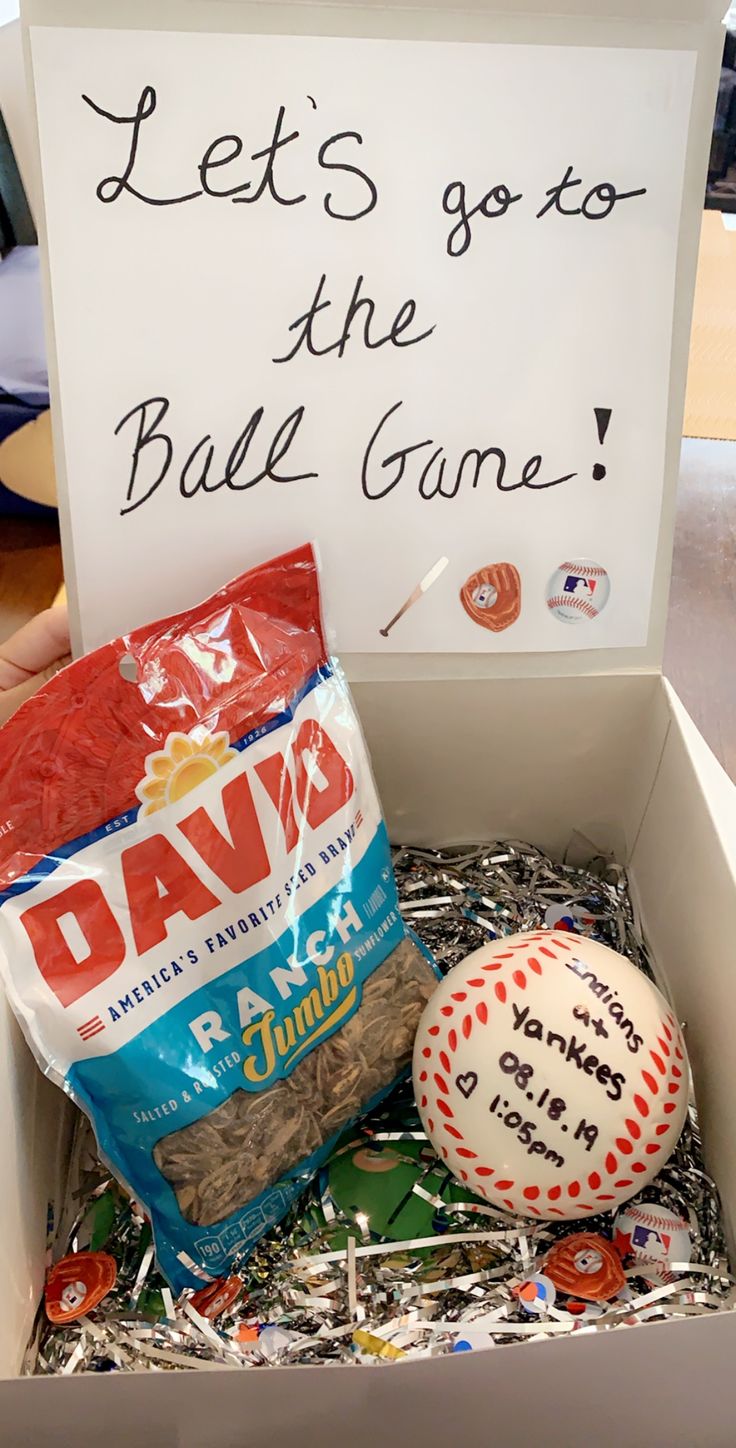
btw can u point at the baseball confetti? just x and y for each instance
(323, 1286)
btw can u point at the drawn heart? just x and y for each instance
(466, 1083)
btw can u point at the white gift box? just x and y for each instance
(589, 752)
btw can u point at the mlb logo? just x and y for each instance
(575, 584)
(646, 1237)
(485, 596)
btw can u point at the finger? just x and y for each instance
(41, 642)
(11, 699)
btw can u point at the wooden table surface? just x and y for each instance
(700, 656)
(30, 570)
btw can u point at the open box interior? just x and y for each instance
(580, 767)
(582, 755)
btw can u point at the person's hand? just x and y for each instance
(34, 654)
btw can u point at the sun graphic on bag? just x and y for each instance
(179, 767)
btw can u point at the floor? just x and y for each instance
(710, 404)
(700, 656)
(700, 651)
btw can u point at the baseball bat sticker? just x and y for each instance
(416, 593)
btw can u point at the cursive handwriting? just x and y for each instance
(153, 452)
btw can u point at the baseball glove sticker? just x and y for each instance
(492, 596)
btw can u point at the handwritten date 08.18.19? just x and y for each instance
(555, 1108)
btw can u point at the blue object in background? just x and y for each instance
(24, 388)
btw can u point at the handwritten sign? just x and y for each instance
(412, 300)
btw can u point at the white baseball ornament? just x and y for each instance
(578, 591)
(550, 1075)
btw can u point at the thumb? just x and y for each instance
(11, 699)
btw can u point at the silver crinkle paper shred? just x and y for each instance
(325, 1285)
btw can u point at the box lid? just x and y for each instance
(414, 281)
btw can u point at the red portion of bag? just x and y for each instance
(71, 757)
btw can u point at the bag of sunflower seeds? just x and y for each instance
(199, 928)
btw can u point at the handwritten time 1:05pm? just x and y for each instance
(554, 1106)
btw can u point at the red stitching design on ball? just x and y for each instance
(649, 1081)
(426, 1052)
(625, 1182)
(530, 1193)
(434, 1031)
(659, 1063)
(583, 570)
(459, 995)
(568, 600)
(441, 1084)
(621, 1142)
(447, 1010)
(664, 1048)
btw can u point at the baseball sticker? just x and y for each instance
(578, 591)
(550, 1075)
